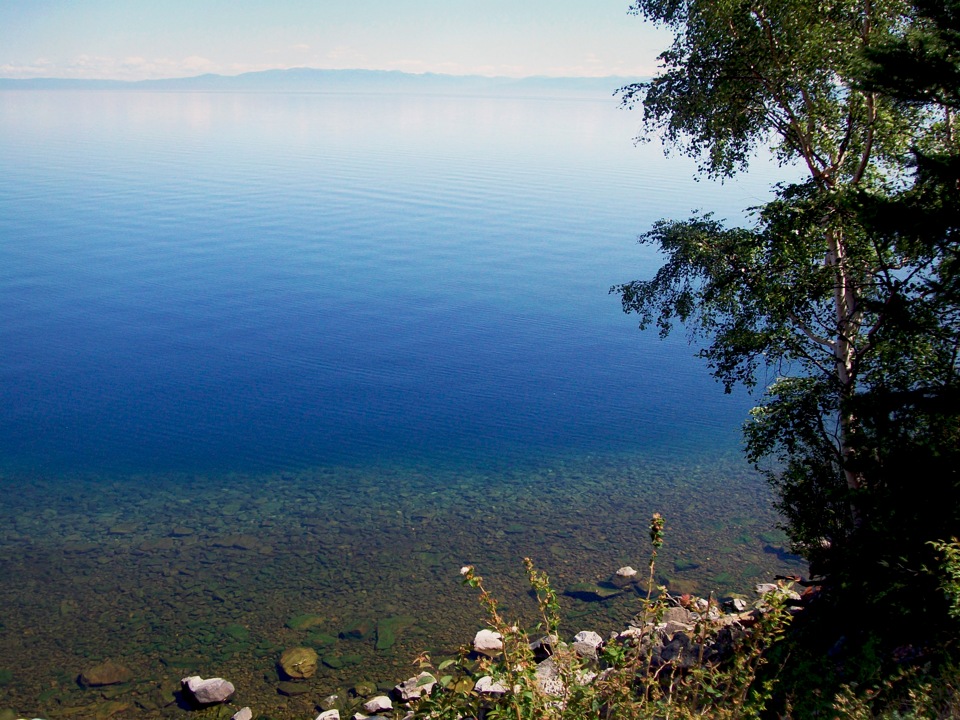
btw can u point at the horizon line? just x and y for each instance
(321, 69)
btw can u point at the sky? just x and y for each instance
(141, 39)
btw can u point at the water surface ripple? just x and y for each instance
(368, 336)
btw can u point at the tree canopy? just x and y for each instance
(845, 287)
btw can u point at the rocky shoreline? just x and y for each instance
(676, 637)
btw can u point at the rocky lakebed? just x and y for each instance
(298, 587)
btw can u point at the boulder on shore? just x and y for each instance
(379, 704)
(415, 687)
(488, 642)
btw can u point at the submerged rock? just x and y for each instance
(591, 592)
(209, 691)
(237, 632)
(359, 630)
(364, 688)
(106, 673)
(291, 688)
(299, 663)
(304, 621)
(389, 628)
(242, 542)
(684, 564)
(110, 709)
(320, 640)
(123, 529)
(243, 714)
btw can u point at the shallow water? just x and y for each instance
(265, 355)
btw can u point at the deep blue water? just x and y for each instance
(218, 282)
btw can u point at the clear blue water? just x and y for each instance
(230, 282)
(264, 355)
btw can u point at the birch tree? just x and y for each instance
(813, 303)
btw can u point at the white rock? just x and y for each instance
(585, 677)
(381, 703)
(587, 643)
(415, 687)
(767, 588)
(329, 715)
(488, 642)
(548, 679)
(487, 685)
(209, 691)
(624, 577)
(632, 633)
(243, 714)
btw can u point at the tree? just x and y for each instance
(846, 286)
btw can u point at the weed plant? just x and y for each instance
(628, 679)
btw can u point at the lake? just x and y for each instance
(267, 355)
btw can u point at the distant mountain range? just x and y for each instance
(344, 81)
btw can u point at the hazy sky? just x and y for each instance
(136, 39)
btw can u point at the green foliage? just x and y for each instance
(742, 74)
(628, 680)
(846, 288)
(950, 561)
(921, 64)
